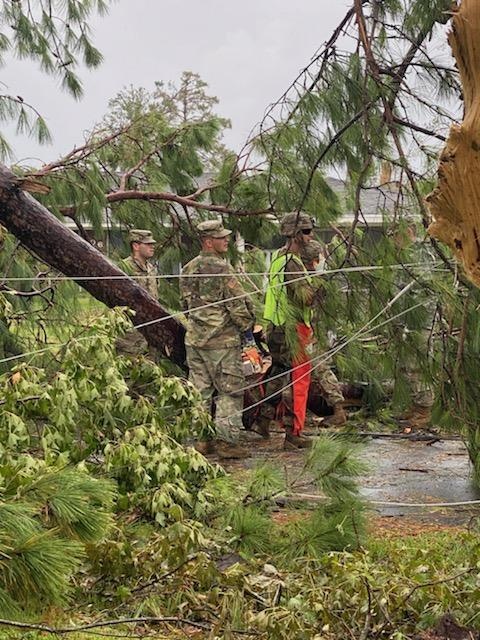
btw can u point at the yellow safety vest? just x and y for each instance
(276, 297)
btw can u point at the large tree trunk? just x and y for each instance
(455, 203)
(52, 242)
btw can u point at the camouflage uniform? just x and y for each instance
(145, 277)
(213, 338)
(134, 343)
(328, 382)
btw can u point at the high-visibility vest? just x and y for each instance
(277, 303)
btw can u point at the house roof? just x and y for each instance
(376, 202)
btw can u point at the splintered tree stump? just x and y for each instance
(41, 232)
(455, 203)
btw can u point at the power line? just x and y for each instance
(158, 320)
(434, 505)
(386, 503)
(359, 333)
(323, 358)
(327, 355)
(237, 274)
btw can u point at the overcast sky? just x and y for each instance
(248, 52)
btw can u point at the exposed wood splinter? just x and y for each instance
(455, 203)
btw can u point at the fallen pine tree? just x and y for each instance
(62, 249)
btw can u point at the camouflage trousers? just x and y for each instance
(422, 392)
(328, 383)
(220, 371)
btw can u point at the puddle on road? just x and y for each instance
(401, 471)
(416, 472)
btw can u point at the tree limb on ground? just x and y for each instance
(110, 623)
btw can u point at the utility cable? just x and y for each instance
(237, 274)
(358, 333)
(435, 505)
(327, 355)
(324, 357)
(386, 503)
(162, 319)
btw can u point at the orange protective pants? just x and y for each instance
(301, 376)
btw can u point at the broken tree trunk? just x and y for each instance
(455, 203)
(41, 232)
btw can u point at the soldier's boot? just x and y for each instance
(294, 442)
(418, 418)
(205, 447)
(227, 451)
(262, 427)
(337, 419)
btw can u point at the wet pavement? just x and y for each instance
(417, 472)
(400, 471)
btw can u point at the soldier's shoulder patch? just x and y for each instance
(126, 265)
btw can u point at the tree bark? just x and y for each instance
(62, 249)
(455, 203)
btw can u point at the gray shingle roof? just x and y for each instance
(376, 202)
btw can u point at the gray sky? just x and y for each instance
(248, 52)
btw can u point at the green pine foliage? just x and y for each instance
(334, 465)
(54, 34)
(46, 516)
(77, 506)
(328, 528)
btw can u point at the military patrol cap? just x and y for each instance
(311, 252)
(294, 222)
(141, 235)
(212, 229)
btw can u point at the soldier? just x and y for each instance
(312, 255)
(290, 295)
(138, 265)
(142, 247)
(213, 339)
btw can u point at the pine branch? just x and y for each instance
(417, 127)
(165, 196)
(331, 143)
(388, 105)
(78, 154)
(111, 623)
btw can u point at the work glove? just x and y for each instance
(247, 339)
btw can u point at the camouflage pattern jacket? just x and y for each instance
(143, 275)
(221, 325)
(302, 292)
(133, 343)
